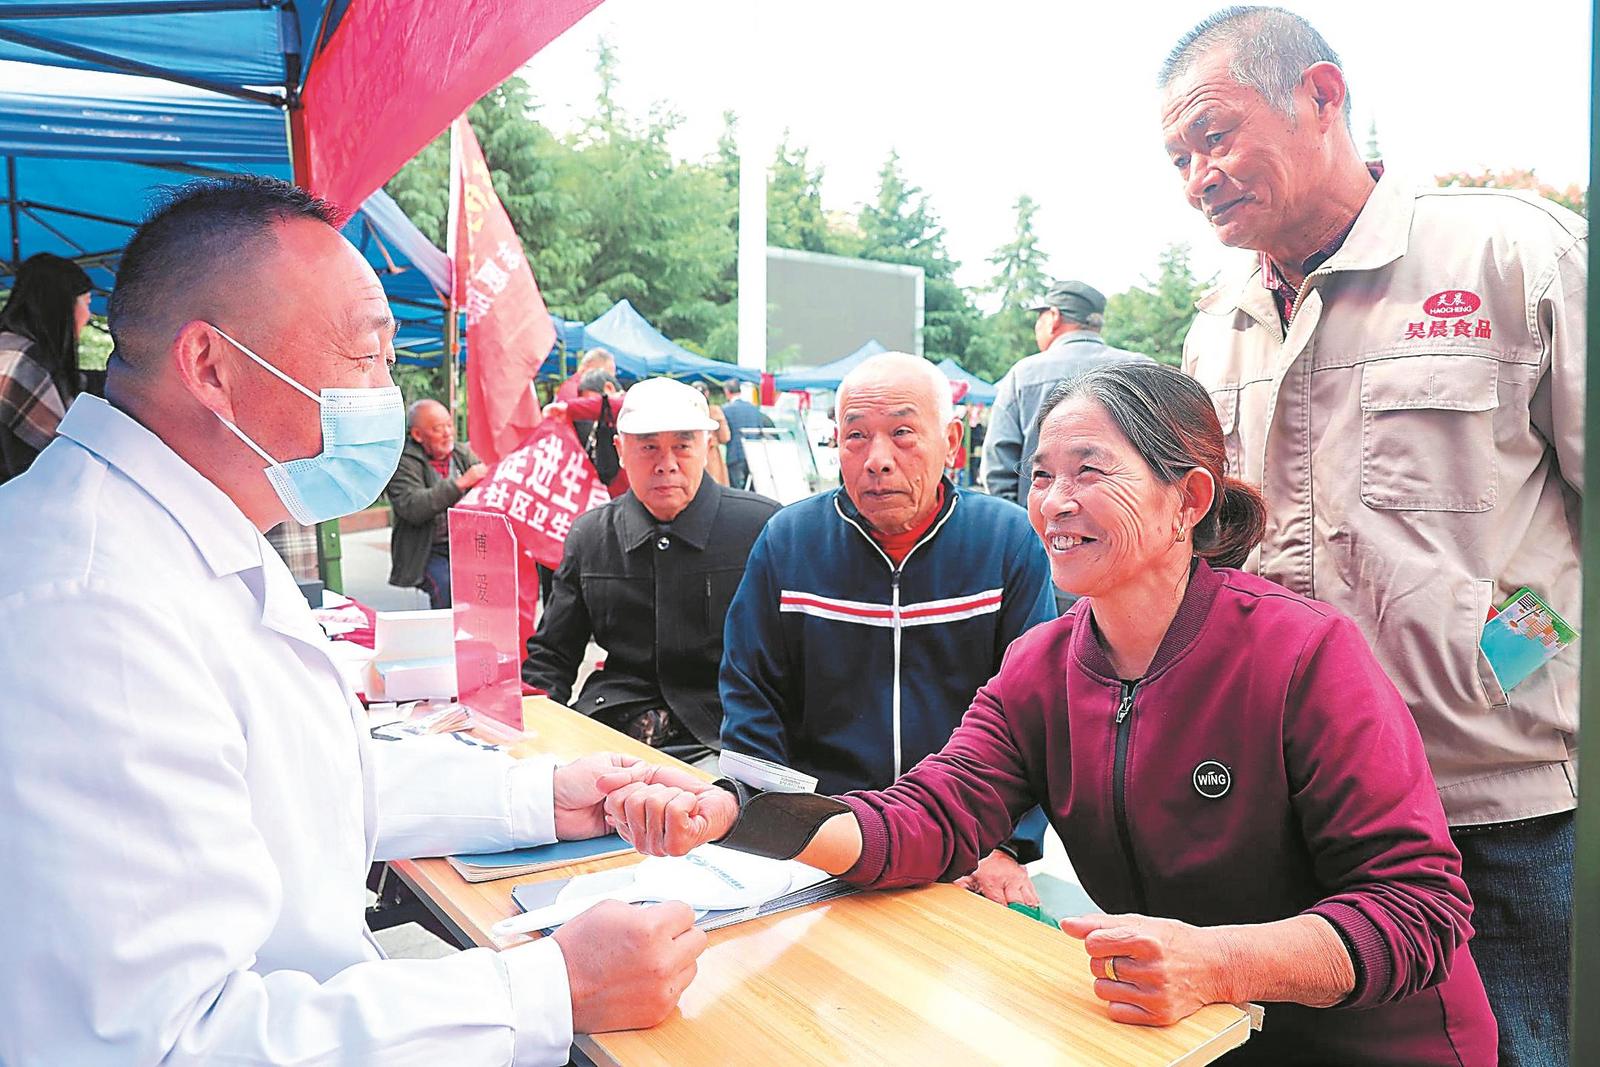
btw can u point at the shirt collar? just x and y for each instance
(1377, 238)
(1273, 278)
(692, 526)
(227, 540)
(1074, 335)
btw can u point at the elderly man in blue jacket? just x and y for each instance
(869, 616)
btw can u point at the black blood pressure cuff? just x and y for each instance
(777, 825)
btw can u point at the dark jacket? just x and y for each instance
(1267, 768)
(417, 497)
(847, 668)
(742, 415)
(654, 600)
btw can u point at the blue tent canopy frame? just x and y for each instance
(978, 390)
(827, 375)
(250, 50)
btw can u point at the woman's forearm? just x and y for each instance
(837, 845)
(1302, 960)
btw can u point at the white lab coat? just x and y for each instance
(189, 800)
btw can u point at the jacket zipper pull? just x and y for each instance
(1126, 706)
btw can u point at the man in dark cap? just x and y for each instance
(1068, 331)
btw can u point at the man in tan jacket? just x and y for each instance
(1402, 375)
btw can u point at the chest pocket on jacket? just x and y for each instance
(608, 598)
(1226, 401)
(1427, 433)
(720, 585)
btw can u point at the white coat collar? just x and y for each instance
(227, 540)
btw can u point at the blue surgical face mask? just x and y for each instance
(363, 431)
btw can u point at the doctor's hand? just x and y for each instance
(1164, 970)
(628, 965)
(1002, 879)
(671, 813)
(580, 789)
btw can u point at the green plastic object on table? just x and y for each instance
(1037, 914)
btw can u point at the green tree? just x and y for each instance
(900, 226)
(1007, 334)
(725, 160)
(1154, 318)
(608, 117)
(795, 218)
(604, 214)
(1019, 263)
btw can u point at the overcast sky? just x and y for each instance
(1055, 99)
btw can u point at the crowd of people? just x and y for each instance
(1217, 627)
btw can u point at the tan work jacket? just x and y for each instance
(1418, 435)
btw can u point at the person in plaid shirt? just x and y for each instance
(39, 330)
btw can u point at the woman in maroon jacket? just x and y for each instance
(1228, 766)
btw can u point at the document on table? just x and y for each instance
(722, 885)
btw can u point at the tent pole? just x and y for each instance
(116, 9)
(11, 206)
(452, 353)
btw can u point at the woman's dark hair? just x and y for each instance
(41, 309)
(1168, 419)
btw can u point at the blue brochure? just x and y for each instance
(483, 866)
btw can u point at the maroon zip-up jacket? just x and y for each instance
(1264, 767)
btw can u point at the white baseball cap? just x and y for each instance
(661, 405)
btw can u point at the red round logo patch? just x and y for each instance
(1451, 303)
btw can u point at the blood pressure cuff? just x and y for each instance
(777, 825)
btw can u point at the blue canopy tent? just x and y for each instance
(641, 350)
(978, 390)
(87, 211)
(627, 334)
(86, 153)
(82, 154)
(252, 50)
(828, 375)
(100, 100)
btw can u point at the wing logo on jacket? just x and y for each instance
(926, 613)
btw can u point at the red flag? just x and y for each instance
(509, 332)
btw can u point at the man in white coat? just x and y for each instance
(189, 800)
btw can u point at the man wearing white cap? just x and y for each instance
(649, 576)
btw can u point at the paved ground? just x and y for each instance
(366, 573)
(366, 576)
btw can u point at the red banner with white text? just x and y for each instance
(541, 487)
(509, 332)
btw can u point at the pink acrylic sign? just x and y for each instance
(483, 590)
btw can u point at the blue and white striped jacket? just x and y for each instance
(845, 667)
